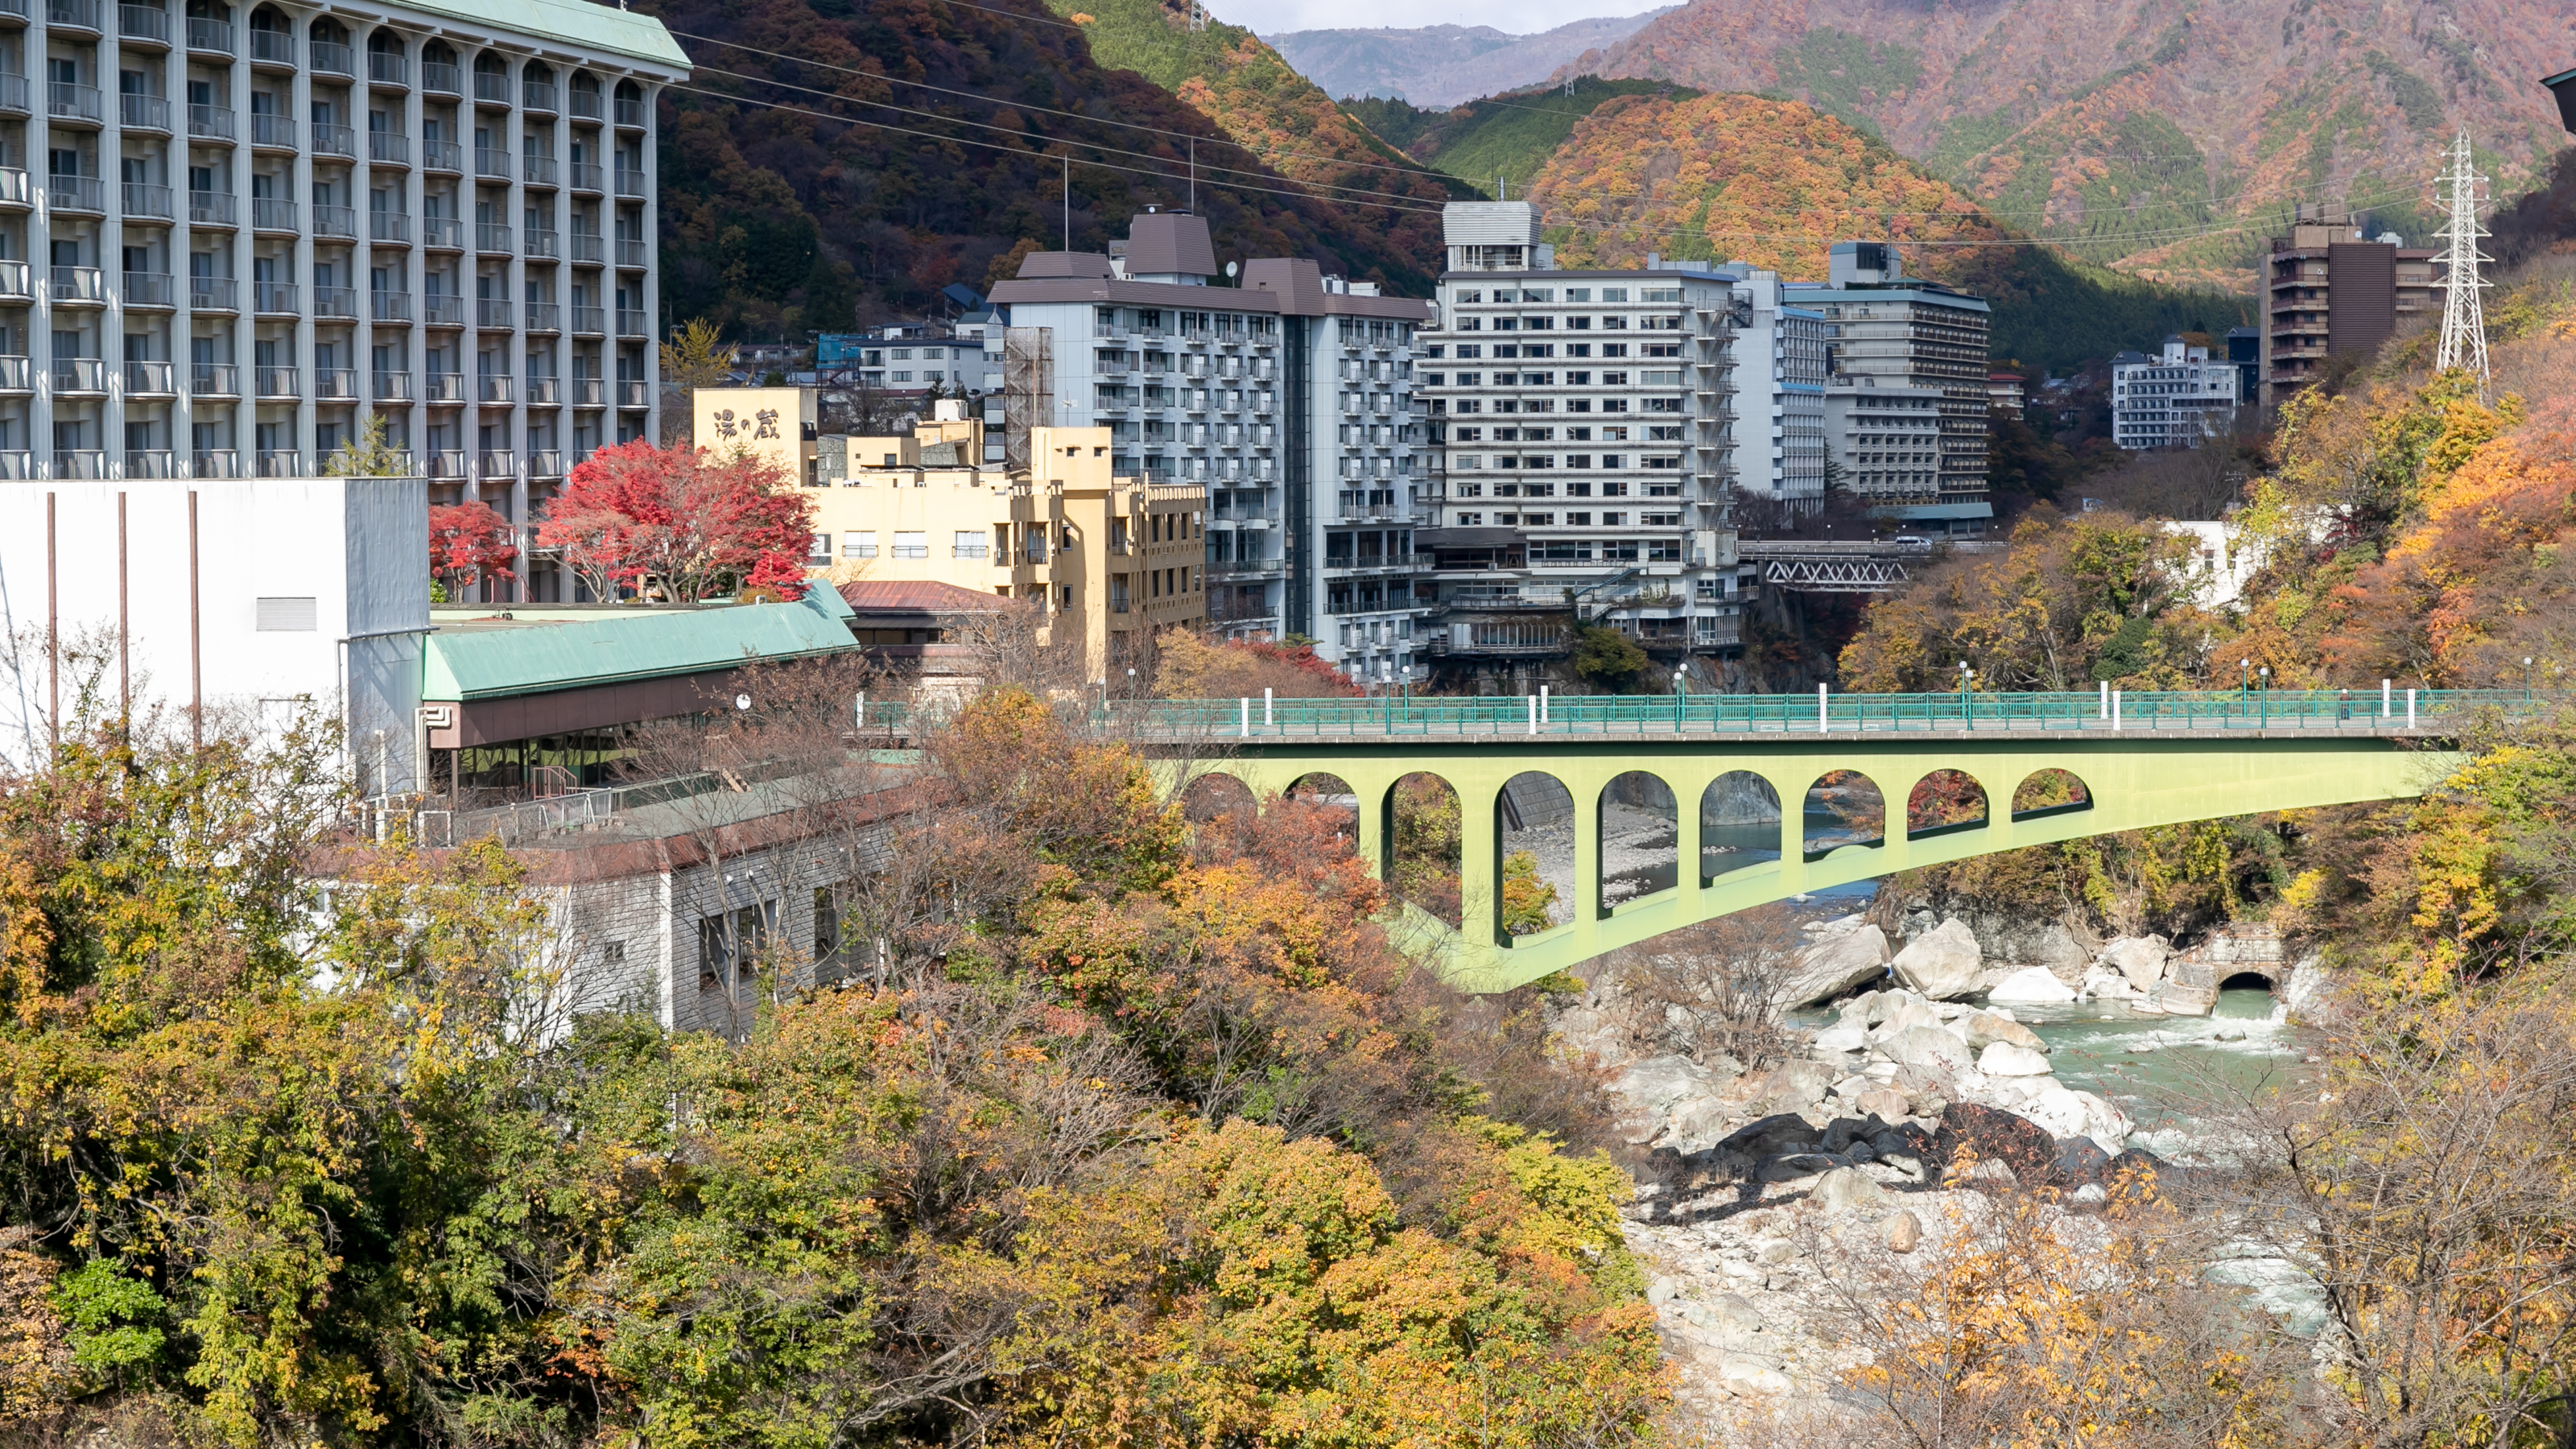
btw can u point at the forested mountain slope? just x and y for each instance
(1442, 65)
(2164, 134)
(1501, 141)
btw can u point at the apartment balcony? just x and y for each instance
(545, 317)
(441, 78)
(16, 284)
(386, 307)
(151, 463)
(631, 393)
(448, 463)
(13, 94)
(589, 392)
(493, 463)
(143, 25)
(495, 388)
(389, 148)
(16, 375)
(329, 140)
(336, 221)
(272, 47)
(589, 246)
(79, 287)
(588, 176)
(16, 189)
(385, 68)
(276, 299)
(151, 379)
(73, 14)
(272, 213)
(492, 313)
(213, 294)
(276, 383)
(336, 302)
(442, 233)
(330, 57)
(280, 462)
(537, 96)
(541, 246)
(389, 227)
(335, 384)
(631, 323)
(591, 321)
(546, 463)
(492, 237)
(83, 375)
(211, 37)
(214, 379)
(629, 182)
(73, 104)
(80, 463)
(586, 105)
(442, 155)
(143, 113)
(210, 123)
(491, 164)
(492, 87)
(392, 387)
(76, 193)
(544, 392)
(215, 463)
(630, 115)
(537, 171)
(443, 310)
(443, 387)
(210, 208)
(272, 132)
(633, 253)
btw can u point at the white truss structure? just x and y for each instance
(2464, 321)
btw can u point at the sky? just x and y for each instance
(1519, 17)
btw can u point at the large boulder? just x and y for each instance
(1929, 1048)
(1943, 963)
(2033, 985)
(1995, 1135)
(2003, 1059)
(1654, 1093)
(1985, 1028)
(2139, 959)
(2065, 1112)
(1847, 1187)
(1836, 966)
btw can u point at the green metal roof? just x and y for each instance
(576, 23)
(614, 647)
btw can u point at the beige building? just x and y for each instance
(1115, 559)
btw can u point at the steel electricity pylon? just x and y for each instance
(2464, 322)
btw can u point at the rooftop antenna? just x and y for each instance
(2464, 318)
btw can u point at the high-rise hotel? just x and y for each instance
(229, 235)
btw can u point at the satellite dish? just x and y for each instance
(1230, 269)
(742, 701)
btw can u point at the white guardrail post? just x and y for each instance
(1824, 716)
(1245, 729)
(1533, 711)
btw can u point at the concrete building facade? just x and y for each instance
(2176, 399)
(1780, 375)
(2330, 288)
(1891, 331)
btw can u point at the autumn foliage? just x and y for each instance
(680, 523)
(468, 542)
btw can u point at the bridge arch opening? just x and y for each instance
(1213, 795)
(2043, 793)
(1323, 789)
(1942, 802)
(1534, 816)
(1424, 844)
(1843, 808)
(1639, 839)
(1739, 824)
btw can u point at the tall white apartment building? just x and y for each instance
(1290, 397)
(1888, 330)
(427, 213)
(1780, 361)
(2173, 400)
(1585, 427)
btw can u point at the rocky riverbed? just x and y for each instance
(1851, 1149)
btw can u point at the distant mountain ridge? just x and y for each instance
(1439, 66)
(2165, 135)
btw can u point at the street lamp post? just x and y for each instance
(2263, 676)
(1967, 702)
(1678, 702)
(2526, 679)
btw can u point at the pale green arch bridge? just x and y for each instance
(2328, 749)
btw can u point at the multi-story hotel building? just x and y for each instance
(2329, 288)
(290, 219)
(1587, 423)
(1289, 398)
(1897, 340)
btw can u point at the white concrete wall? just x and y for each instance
(356, 548)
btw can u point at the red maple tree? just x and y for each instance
(685, 523)
(468, 542)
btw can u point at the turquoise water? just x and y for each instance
(2161, 1068)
